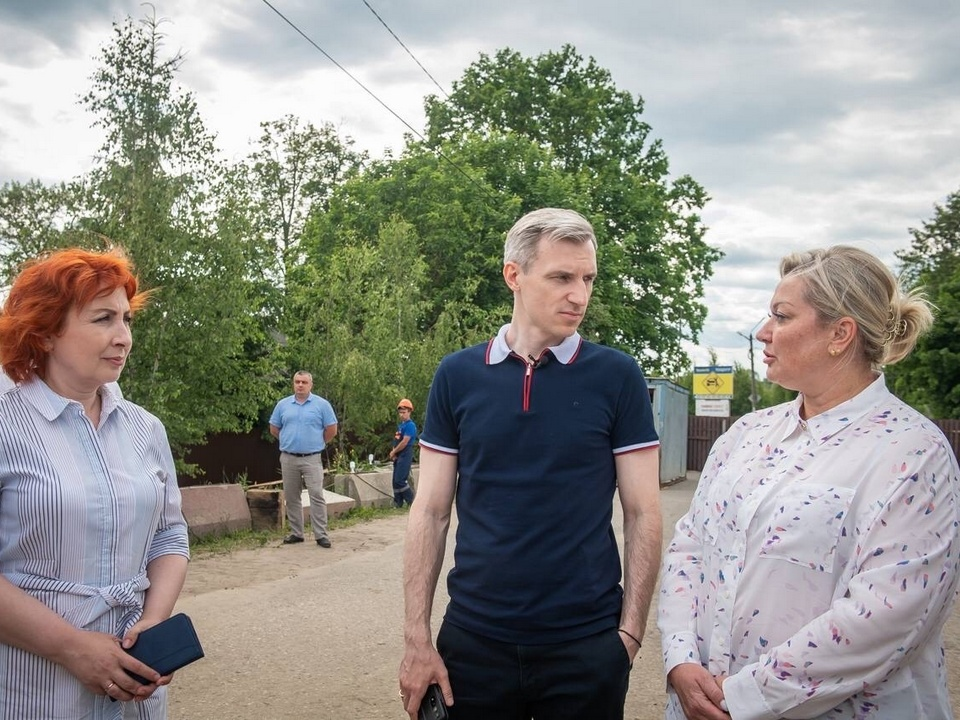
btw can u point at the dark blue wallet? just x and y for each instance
(167, 646)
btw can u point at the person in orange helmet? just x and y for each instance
(402, 454)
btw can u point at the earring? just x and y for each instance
(833, 352)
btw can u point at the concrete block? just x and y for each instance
(337, 505)
(266, 511)
(211, 509)
(367, 489)
(371, 489)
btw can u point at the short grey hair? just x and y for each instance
(844, 281)
(302, 373)
(554, 224)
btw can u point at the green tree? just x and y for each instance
(158, 190)
(359, 316)
(772, 394)
(460, 205)
(34, 218)
(292, 172)
(740, 402)
(929, 378)
(655, 262)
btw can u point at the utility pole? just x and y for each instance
(753, 374)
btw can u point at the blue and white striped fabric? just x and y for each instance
(83, 510)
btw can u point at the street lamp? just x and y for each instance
(753, 375)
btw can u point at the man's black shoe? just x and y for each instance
(291, 539)
(323, 542)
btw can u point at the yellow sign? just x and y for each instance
(713, 380)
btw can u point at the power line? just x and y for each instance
(389, 30)
(341, 67)
(370, 92)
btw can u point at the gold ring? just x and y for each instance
(107, 688)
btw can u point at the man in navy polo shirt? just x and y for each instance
(304, 423)
(532, 434)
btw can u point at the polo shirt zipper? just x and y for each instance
(527, 382)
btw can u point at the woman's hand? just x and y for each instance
(700, 693)
(99, 662)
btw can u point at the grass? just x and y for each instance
(225, 543)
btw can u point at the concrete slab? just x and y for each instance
(337, 504)
(211, 509)
(371, 489)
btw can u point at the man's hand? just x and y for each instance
(421, 666)
(700, 693)
(630, 645)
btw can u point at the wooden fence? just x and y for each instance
(951, 428)
(703, 431)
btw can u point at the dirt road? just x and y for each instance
(295, 632)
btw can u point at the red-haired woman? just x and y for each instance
(93, 544)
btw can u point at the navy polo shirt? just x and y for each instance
(536, 559)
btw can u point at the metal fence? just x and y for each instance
(703, 431)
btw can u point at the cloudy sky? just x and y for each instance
(809, 124)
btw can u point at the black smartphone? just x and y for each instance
(432, 706)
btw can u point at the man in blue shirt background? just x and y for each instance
(304, 423)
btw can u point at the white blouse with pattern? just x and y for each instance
(818, 563)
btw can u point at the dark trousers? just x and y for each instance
(402, 492)
(579, 680)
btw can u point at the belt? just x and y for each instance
(316, 452)
(94, 602)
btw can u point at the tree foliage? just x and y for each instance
(306, 254)
(359, 332)
(158, 190)
(929, 378)
(34, 218)
(459, 220)
(292, 172)
(655, 262)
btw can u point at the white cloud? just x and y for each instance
(808, 125)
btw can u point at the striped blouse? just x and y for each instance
(83, 510)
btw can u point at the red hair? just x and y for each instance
(46, 289)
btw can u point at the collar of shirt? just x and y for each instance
(51, 405)
(498, 350)
(829, 423)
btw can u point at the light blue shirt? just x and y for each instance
(302, 424)
(83, 510)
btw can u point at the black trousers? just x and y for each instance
(584, 679)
